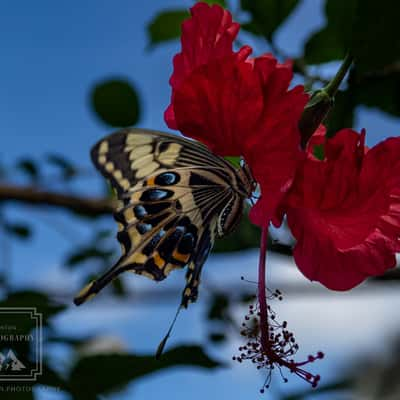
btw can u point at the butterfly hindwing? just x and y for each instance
(206, 242)
(156, 242)
(170, 192)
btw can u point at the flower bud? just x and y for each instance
(314, 114)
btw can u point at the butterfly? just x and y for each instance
(174, 198)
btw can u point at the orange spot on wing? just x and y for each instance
(150, 181)
(158, 260)
(180, 257)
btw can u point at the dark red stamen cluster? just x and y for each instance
(272, 346)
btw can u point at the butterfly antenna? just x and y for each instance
(163, 342)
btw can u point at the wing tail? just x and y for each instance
(94, 287)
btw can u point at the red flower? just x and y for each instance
(235, 104)
(242, 106)
(345, 211)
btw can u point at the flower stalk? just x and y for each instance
(321, 103)
(333, 86)
(271, 346)
(262, 297)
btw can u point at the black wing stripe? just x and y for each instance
(216, 209)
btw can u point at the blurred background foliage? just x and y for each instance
(368, 29)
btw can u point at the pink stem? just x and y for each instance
(267, 345)
(262, 298)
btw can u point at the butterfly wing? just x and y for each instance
(171, 191)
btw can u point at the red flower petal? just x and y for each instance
(345, 211)
(272, 149)
(208, 35)
(236, 105)
(219, 104)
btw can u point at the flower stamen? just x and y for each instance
(270, 344)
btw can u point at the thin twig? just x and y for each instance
(34, 196)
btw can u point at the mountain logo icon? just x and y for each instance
(10, 362)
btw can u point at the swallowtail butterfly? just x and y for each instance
(174, 198)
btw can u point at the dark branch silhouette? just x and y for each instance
(34, 196)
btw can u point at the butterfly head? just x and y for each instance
(230, 215)
(247, 184)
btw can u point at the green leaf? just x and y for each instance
(332, 41)
(21, 231)
(217, 337)
(116, 103)
(324, 46)
(118, 287)
(330, 388)
(103, 373)
(48, 378)
(379, 91)
(367, 29)
(30, 298)
(235, 161)
(108, 190)
(67, 340)
(166, 26)
(318, 151)
(67, 169)
(29, 168)
(88, 253)
(376, 38)
(280, 248)
(222, 3)
(103, 234)
(51, 378)
(267, 15)
(7, 394)
(218, 307)
(247, 298)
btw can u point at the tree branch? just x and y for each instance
(34, 196)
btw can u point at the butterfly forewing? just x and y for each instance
(172, 194)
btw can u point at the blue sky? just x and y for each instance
(52, 53)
